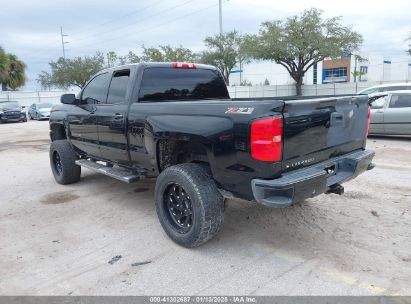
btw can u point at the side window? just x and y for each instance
(96, 90)
(118, 87)
(379, 103)
(400, 101)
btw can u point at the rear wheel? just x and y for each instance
(62, 162)
(189, 206)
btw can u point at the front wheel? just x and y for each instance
(62, 162)
(188, 204)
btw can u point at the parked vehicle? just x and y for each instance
(11, 111)
(40, 111)
(386, 87)
(391, 113)
(177, 121)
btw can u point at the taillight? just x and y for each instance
(266, 139)
(368, 121)
(184, 65)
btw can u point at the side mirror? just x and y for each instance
(68, 98)
(23, 107)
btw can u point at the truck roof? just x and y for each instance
(161, 64)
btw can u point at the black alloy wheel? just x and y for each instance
(57, 163)
(179, 207)
(188, 204)
(63, 162)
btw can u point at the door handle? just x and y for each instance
(118, 116)
(336, 118)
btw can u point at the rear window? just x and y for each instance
(168, 84)
(394, 88)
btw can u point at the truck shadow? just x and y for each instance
(338, 231)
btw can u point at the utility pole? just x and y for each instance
(63, 42)
(220, 9)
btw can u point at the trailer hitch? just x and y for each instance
(336, 189)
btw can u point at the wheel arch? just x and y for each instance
(57, 131)
(191, 149)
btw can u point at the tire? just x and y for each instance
(62, 162)
(196, 190)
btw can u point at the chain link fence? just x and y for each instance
(28, 98)
(307, 90)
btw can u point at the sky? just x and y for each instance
(31, 29)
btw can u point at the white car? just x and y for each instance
(391, 113)
(386, 87)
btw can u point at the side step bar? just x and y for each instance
(122, 175)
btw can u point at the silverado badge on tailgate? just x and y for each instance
(235, 110)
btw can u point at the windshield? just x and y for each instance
(369, 91)
(9, 105)
(44, 105)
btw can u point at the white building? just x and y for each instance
(375, 68)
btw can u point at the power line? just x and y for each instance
(147, 29)
(63, 42)
(138, 21)
(39, 53)
(220, 11)
(117, 18)
(150, 28)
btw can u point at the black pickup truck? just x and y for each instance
(177, 121)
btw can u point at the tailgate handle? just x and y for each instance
(336, 118)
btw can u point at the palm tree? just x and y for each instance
(12, 71)
(3, 64)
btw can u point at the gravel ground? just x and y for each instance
(59, 240)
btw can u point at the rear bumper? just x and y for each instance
(311, 181)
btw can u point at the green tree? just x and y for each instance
(358, 59)
(299, 42)
(129, 58)
(225, 52)
(12, 71)
(3, 65)
(167, 53)
(71, 72)
(111, 59)
(357, 74)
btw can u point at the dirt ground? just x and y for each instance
(59, 240)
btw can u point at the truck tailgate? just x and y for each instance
(318, 129)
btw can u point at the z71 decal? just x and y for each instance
(235, 110)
